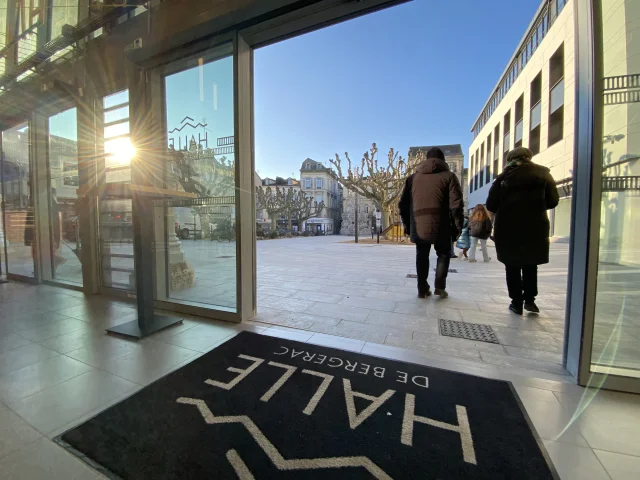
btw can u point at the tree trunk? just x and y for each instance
(290, 227)
(386, 216)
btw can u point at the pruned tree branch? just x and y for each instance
(382, 184)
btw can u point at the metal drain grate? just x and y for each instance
(225, 256)
(469, 331)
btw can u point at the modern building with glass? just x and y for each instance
(532, 106)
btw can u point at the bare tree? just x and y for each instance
(185, 173)
(272, 201)
(303, 208)
(381, 183)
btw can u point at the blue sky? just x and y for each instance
(415, 74)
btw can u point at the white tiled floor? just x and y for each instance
(58, 368)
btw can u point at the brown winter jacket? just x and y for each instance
(431, 205)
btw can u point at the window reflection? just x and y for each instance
(616, 338)
(63, 182)
(17, 188)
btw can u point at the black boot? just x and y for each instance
(424, 291)
(516, 307)
(531, 307)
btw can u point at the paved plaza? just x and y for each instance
(362, 293)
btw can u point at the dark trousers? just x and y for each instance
(443, 250)
(522, 282)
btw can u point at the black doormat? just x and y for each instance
(263, 407)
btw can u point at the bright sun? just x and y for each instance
(121, 151)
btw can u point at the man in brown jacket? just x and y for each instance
(431, 208)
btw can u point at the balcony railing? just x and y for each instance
(620, 98)
(622, 82)
(609, 184)
(620, 184)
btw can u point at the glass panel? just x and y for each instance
(117, 114)
(27, 28)
(518, 136)
(200, 262)
(557, 97)
(63, 12)
(115, 227)
(507, 141)
(616, 348)
(535, 116)
(18, 201)
(116, 99)
(118, 149)
(116, 243)
(3, 33)
(63, 183)
(116, 130)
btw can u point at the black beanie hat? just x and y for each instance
(435, 152)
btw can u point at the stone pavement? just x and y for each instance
(362, 293)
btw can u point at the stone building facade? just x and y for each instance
(366, 214)
(318, 182)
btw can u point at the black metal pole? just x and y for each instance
(356, 217)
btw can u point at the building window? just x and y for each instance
(496, 150)
(319, 198)
(536, 109)
(556, 96)
(553, 11)
(481, 169)
(518, 119)
(475, 187)
(307, 183)
(471, 173)
(488, 166)
(506, 141)
(319, 183)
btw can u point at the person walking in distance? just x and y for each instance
(520, 197)
(431, 208)
(464, 242)
(480, 229)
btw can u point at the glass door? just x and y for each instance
(199, 264)
(616, 333)
(17, 200)
(62, 205)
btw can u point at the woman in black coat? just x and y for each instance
(519, 198)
